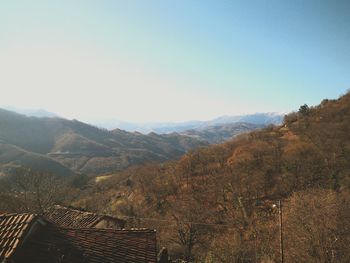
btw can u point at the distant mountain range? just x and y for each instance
(164, 127)
(68, 147)
(221, 132)
(169, 127)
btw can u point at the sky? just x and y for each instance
(167, 60)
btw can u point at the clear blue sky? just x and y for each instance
(172, 60)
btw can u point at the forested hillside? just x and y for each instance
(220, 203)
(64, 147)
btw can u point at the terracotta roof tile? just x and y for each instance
(13, 229)
(50, 243)
(90, 246)
(66, 217)
(72, 218)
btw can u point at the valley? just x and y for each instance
(68, 147)
(217, 202)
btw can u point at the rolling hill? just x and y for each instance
(227, 195)
(65, 147)
(69, 146)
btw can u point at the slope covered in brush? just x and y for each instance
(220, 202)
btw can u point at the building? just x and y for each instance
(73, 218)
(32, 238)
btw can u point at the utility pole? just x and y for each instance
(281, 230)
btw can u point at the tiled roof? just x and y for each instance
(72, 218)
(90, 246)
(13, 229)
(28, 238)
(138, 246)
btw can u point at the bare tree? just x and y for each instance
(317, 227)
(27, 190)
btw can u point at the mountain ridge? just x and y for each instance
(83, 148)
(72, 146)
(169, 127)
(234, 189)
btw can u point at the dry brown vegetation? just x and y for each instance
(218, 204)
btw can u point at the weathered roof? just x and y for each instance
(21, 241)
(90, 245)
(13, 230)
(73, 218)
(138, 246)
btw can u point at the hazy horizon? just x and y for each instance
(37, 111)
(167, 61)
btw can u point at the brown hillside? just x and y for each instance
(219, 202)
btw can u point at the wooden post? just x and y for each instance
(281, 230)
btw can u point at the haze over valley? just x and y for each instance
(66, 147)
(175, 131)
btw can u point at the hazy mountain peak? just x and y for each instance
(169, 127)
(40, 113)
